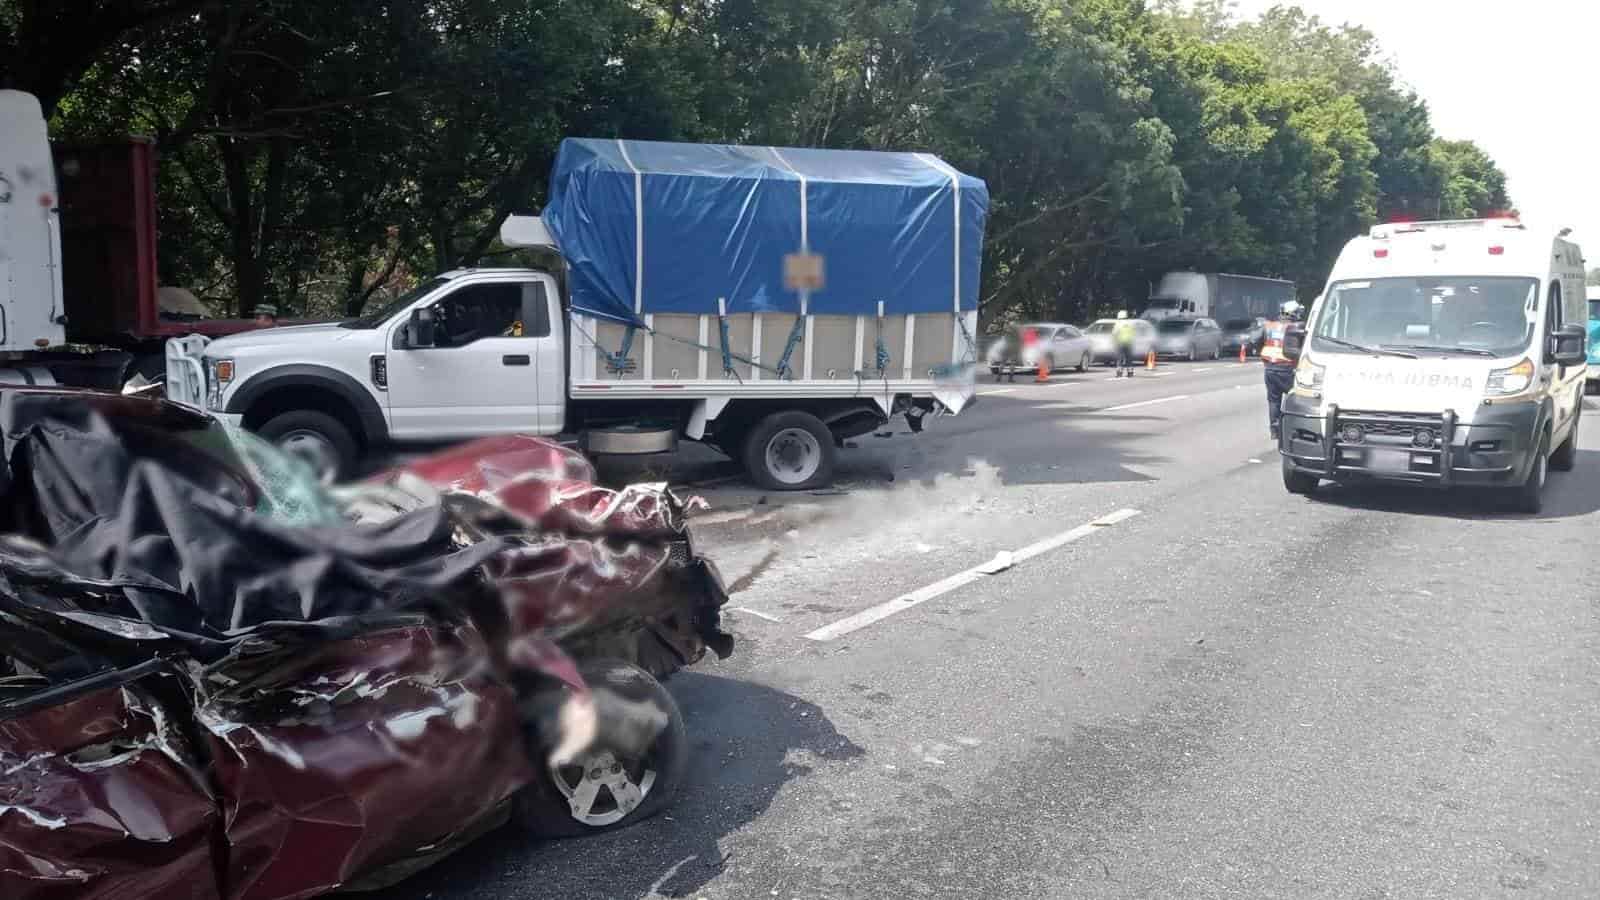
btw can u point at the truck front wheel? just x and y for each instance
(790, 451)
(316, 438)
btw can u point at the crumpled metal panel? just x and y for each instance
(488, 463)
(587, 556)
(99, 799)
(343, 745)
(548, 487)
(352, 755)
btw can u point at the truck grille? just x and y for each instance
(1387, 425)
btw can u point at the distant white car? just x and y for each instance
(1063, 346)
(1103, 348)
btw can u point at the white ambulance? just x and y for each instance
(1441, 353)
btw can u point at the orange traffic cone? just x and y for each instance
(1150, 361)
(1044, 372)
(1241, 352)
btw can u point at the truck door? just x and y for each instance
(481, 375)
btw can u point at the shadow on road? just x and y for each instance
(748, 740)
(1567, 495)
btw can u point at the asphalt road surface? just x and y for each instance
(1175, 681)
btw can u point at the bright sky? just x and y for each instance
(1516, 78)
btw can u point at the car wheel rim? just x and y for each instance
(1540, 470)
(314, 450)
(793, 455)
(602, 789)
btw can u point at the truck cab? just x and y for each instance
(469, 353)
(32, 309)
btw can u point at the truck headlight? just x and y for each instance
(1308, 375)
(1506, 382)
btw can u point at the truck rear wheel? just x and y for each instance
(790, 451)
(316, 438)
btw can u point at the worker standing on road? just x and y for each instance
(1123, 334)
(1277, 369)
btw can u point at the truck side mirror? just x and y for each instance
(1294, 342)
(420, 330)
(1567, 345)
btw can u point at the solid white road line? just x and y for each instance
(1145, 403)
(753, 612)
(1001, 391)
(939, 588)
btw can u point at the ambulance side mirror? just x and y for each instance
(1567, 346)
(1294, 341)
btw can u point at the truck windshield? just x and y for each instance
(372, 318)
(1466, 314)
(1162, 303)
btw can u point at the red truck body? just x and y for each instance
(108, 248)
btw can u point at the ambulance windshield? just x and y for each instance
(1478, 316)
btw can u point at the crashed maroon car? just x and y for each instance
(219, 681)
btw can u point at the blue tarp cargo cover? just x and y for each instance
(653, 227)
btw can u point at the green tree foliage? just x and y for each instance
(1471, 184)
(325, 155)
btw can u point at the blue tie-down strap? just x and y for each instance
(618, 362)
(795, 334)
(727, 352)
(951, 370)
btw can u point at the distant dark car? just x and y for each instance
(1248, 333)
(1187, 338)
(215, 686)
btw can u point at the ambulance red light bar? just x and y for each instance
(1388, 230)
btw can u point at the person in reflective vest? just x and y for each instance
(1277, 369)
(1123, 335)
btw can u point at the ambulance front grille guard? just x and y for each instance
(1350, 428)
